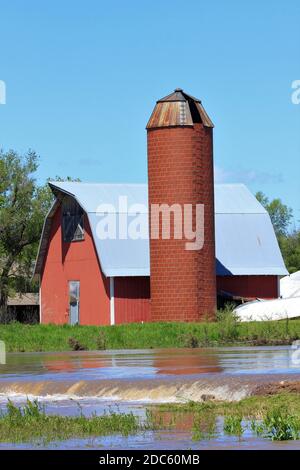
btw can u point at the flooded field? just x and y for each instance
(137, 364)
(130, 381)
(162, 440)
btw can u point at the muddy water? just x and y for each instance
(174, 375)
(160, 440)
(137, 364)
(92, 382)
(164, 440)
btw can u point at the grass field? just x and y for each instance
(226, 331)
(251, 407)
(273, 417)
(30, 423)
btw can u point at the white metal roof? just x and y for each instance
(236, 199)
(91, 195)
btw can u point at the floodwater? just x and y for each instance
(150, 363)
(70, 383)
(164, 440)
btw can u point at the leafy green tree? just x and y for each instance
(23, 205)
(289, 242)
(290, 248)
(281, 215)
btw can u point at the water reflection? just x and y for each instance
(186, 362)
(147, 364)
(161, 440)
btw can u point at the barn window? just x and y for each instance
(72, 220)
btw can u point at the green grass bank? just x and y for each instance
(30, 423)
(275, 417)
(272, 417)
(227, 331)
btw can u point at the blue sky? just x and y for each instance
(82, 79)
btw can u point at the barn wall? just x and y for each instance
(132, 299)
(73, 261)
(265, 287)
(78, 261)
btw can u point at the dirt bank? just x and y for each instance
(274, 388)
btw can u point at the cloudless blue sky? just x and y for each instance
(82, 79)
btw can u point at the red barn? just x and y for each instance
(95, 254)
(90, 280)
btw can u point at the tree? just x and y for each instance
(281, 215)
(290, 248)
(289, 242)
(23, 206)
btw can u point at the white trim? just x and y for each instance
(278, 286)
(112, 300)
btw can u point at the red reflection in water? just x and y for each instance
(71, 363)
(170, 362)
(186, 363)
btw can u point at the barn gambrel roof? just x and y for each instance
(245, 240)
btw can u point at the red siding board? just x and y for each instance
(79, 261)
(132, 299)
(73, 261)
(265, 287)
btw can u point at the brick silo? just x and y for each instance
(180, 171)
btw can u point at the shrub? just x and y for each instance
(233, 425)
(190, 341)
(278, 425)
(228, 323)
(101, 340)
(75, 345)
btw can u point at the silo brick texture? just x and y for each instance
(180, 171)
